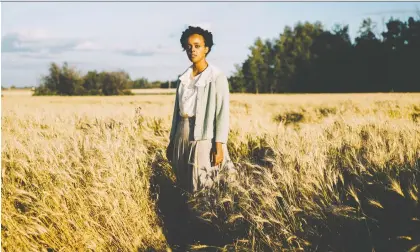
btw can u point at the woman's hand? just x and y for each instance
(217, 154)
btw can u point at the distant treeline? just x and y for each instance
(65, 80)
(306, 58)
(68, 81)
(144, 83)
(309, 58)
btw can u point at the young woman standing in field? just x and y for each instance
(200, 124)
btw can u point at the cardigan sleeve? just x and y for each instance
(222, 109)
(175, 115)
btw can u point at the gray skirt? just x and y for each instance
(192, 160)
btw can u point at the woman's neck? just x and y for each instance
(199, 67)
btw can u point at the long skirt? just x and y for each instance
(192, 160)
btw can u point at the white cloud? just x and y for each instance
(41, 42)
(34, 34)
(88, 46)
(149, 51)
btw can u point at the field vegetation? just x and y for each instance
(318, 172)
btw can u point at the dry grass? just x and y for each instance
(317, 172)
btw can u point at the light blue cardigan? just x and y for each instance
(212, 114)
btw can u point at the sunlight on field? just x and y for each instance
(28, 92)
(76, 172)
(17, 92)
(154, 91)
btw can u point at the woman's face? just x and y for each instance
(196, 48)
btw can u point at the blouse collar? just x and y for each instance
(203, 79)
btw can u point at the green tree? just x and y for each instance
(330, 71)
(70, 81)
(236, 80)
(114, 83)
(257, 66)
(140, 83)
(92, 83)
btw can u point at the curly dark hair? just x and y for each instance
(208, 37)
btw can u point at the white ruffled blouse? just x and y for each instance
(188, 92)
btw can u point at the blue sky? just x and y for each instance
(143, 38)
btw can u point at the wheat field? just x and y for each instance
(316, 172)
